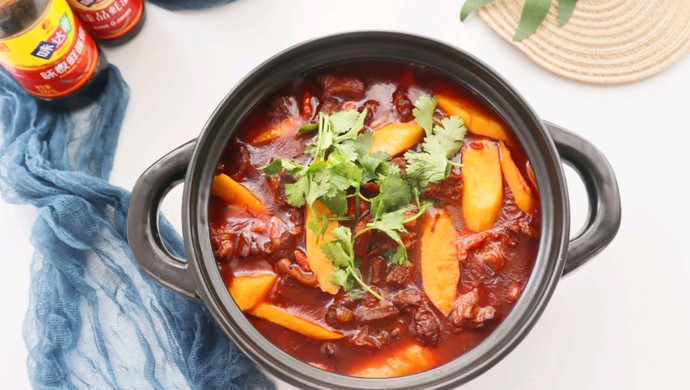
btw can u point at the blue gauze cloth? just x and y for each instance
(95, 320)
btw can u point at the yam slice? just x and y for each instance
(482, 192)
(516, 182)
(226, 188)
(439, 266)
(318, 262)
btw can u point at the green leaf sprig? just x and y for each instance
(533, 14)
(441, 143)
(332, 171)
(340, 166)
(341, 252)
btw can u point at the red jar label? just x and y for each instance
(108, 19)
(54, 56)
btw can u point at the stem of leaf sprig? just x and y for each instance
(533, 14)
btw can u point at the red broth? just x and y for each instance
(494, 264)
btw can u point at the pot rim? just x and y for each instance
(458, 66)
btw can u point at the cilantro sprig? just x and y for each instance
(392, 224)
(441, 143)
(342, 254)
(332, 172)
(341, 164)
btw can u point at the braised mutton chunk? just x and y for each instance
(425, 326)
(282, 107)
(239, 162)
(371, 106)
(400, 275)
(223, 241)
(380, 311)
(372, 339)
(342, 86)
(468, 314)
(403, 105)
(363, 242)
(379, 267)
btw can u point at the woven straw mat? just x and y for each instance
(605, 41)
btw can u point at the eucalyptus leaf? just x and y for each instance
(565, 11)
(533, 14)
(471, 6)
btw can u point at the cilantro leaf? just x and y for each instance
(441, 143)
(423, 112)
(315, 228)
(296, 192)
(350, 171)
(425, 168)
(307, 127)
(337, 203)
(343, 234)
(335, 252)
(340, 277)
(394, 192)
(276, 166)
(396, 256)
(391, 224)
(347, 124)
(345, 149)
(319, 185)
(447, 138)
(342, 254)
(273, 168)
(373, 164)
(362, 144)
(343, 121)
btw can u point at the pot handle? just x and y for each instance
(604, 215)
(143, 232)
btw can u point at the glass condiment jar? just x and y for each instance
(111, 22)
(48, 51)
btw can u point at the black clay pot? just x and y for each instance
(545, 144)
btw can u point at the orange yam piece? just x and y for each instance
(290, 321)
(249, 290)
(439, 261)
(475, 121)
(482, 192)
(318, 262)
(409, 360)
(516, 182)
(396, 138)
(226, 188)
(288, 126)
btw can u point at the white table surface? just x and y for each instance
(622, 321)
